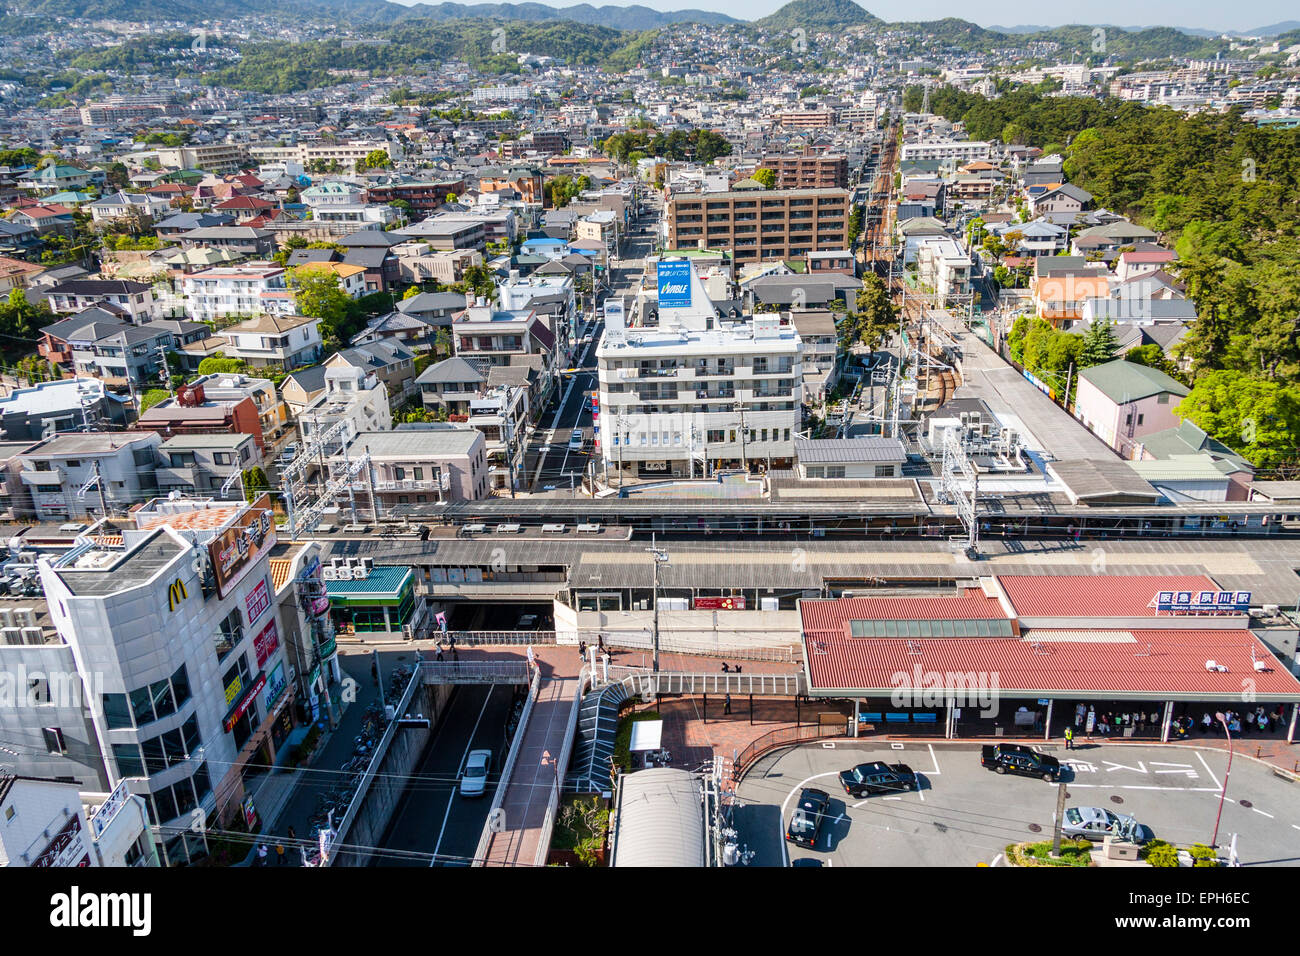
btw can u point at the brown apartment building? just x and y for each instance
(755, 224)
(809, 171)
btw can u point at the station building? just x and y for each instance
(1025, 655)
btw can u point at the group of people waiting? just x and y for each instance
(1106, 723)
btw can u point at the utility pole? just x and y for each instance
(370, 482)
(99, 486)
(659, 557)
(744, 456)
(1060, 820)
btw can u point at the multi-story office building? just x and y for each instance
(696, 392)
(809, 170)
(173, 625)
(755, 224)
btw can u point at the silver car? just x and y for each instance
(1097, 823)
(473, 783)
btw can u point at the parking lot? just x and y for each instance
(963, 814)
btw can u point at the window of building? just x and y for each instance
(229, 633)
(54, 742)
(117, 711)
(834, 471)
(884, 471)
(127, 758)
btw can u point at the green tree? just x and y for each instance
(255, 483)
(411, 293)
(1258, 419)
(767, 177)
(378, 159)
(1099, 345)
(874, 318)
(442, 342)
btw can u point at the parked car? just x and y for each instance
(473, 783)
(877, 777)
(806, 821)
(288, 452)
(1016, 758)
(1096, 823)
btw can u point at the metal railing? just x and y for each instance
(645, 683)
(494, 811)
(561, 771)
(475, 638)
(776, 653)
(468, 672)
(781, 738)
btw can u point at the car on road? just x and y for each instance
(1016, 758)
(878, 777)
(473, 782)
(575, 440)
(1097, 823)
(806, 821)
(527, 622)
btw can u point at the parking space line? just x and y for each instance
(935, 760)
(1213, 775)
(1262, 813)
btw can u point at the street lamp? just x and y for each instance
(1218, 715)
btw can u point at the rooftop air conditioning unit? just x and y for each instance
(331, 573)
(1272, 610)
(12, 635)
(33, 635)
(6, 617)
(24, 616)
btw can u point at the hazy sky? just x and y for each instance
(1205, 14)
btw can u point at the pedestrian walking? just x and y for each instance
(261, 854)
(725, 668)
(437, 650)
(726, 704)
(279, 854)
(451, 641)
(600, 644)
(293, 835)
(1069, 738)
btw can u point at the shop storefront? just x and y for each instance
(382, 603)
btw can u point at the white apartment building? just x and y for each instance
(237, 290)
(961, 151)
(211, 157)
(176, 620)
(304, 154)
(351, 394)
(501, 414)
(58, 471)
(288, 341)
(943, 265)
(697, 392)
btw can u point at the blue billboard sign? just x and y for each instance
(675, 285)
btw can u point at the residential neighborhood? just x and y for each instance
(506, 436)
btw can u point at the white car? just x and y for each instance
(473, 783)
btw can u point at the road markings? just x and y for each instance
(933, 757)
(1213, 776)
(1262, 813)
(455, 787)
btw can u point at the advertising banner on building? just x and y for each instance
(68, 848)
(259, 599)
(240, 545)
(267, 640)
(675, 285)
(244, 704)
(720, 603)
